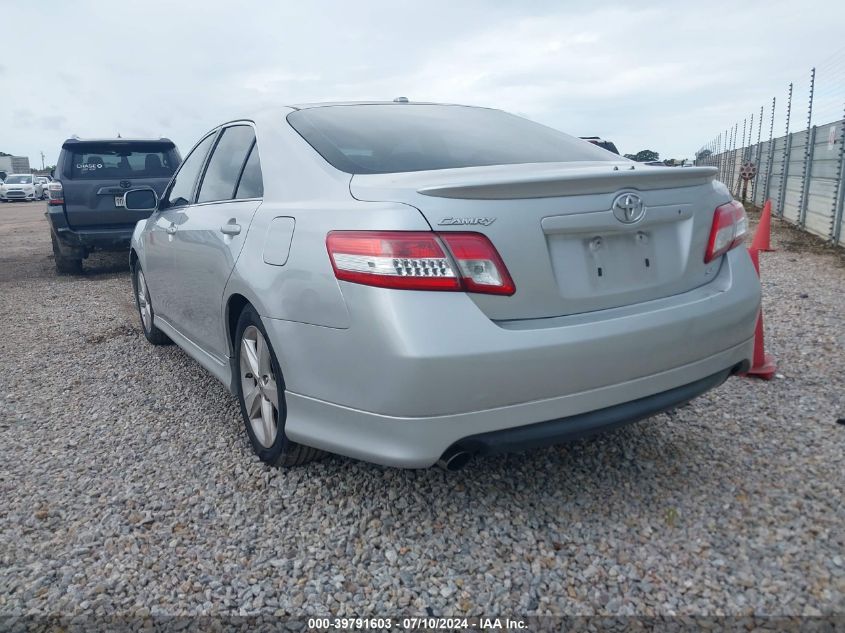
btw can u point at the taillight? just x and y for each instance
(55, 193)
(409, 260)
(419, 260)
(729, 228)
(481, 268)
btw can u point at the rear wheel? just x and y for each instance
(261, 393)
(145, 308)
(65, 265)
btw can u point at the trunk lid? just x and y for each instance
(556, 230)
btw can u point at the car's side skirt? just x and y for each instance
(218, 368)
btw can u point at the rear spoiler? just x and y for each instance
(77, 142)
(507, 182)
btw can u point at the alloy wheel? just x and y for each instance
(144, 301)
(258, 386)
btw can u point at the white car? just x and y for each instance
(20, 187)
(45, 183)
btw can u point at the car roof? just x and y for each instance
(323, 104)
(269, 115)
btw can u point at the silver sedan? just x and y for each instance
(414, 284)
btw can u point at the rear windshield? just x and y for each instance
(380, 139)
(123, 160)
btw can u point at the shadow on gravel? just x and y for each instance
(111, 333)
(601, 473)
(99, 264)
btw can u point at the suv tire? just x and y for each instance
(263, 408)
(65, 265)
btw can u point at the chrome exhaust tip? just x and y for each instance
(454, 459)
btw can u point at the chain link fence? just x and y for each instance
(801, 172)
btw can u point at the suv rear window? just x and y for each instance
(381, 139)
(123, 160)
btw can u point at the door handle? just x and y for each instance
(171, 229)
(230, 228)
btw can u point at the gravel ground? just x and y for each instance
(128, 486)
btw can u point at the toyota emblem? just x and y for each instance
(628, 208)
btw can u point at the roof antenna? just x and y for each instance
(118, 135)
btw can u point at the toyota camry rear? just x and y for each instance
(433, 282)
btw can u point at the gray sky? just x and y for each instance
(666, 76)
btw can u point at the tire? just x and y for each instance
(65, 265)
(145, 308)
(263, 407)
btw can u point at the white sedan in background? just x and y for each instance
(45, 183)
(20, 187)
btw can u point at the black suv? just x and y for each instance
(85, 206)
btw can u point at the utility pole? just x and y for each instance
(42, 161)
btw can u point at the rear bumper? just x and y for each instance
(414, 374)
(78, 243)
(522, 438)
(420, 442)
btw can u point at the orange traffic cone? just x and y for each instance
(762, 236)
(764, 365)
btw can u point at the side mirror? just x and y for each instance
(141, 199)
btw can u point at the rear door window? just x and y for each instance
(117, 161)
(251, 184)
(226, 163)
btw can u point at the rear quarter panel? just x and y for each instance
(299, 184)
(304, 288)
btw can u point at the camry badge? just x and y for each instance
(466, 221)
